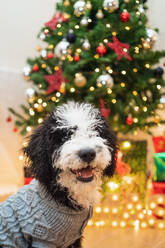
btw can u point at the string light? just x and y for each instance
(105, 40)
(106, 210)
(77, 26)
(78, 50)
(158, 87)
(21, 157)
(114, 101)
(127, 28)
(135, 70)
(96, 56)
(126, 144)
(90, 223)
(43, 66)
(122, 84)
(53, 98)
(40, 120)
(145, 109)
(136, 108)
(58, 94)
(135, 120)
(114, 33)
(129, 206)
(72, 90)
(59, 33)
(143, 224)
(108, 25)
(98, 210)
(114, 210)
(160, 200)
(139, 206)
(91, 88)
(40, 100)
(58, 25)
(115, 197)
(123, 72)
(122, 223)
(44, 104)
(136, 49)
(28, 129)
(109, 91)
(25, 144)
(114, 223)
(151, 221)
(97, 70)
(113, 186)
(56, 68)
(126, 215)
(134, 93)
(147, 66)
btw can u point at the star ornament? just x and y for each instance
(55, 81)
(55, 19)
(121, 49)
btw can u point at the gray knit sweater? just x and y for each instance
(31, 217)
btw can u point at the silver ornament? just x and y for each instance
(111, 5)
(30, 92)
(152, 34)
(86, 45)
(61, 48)
(27, 70)
(42, 36)
(162, 100)
(105, 79)
(84, 21)
(100, 14)
(43, 53)
(79, 7)
(141, 9)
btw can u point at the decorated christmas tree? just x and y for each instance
(99, 51)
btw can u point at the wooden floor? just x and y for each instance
(123, 238)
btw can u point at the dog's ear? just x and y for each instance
(107, 134)
(39, 151)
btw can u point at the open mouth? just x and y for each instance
(84, 175)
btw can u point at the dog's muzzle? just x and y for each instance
(86, 175)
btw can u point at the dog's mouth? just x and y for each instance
(85, 174)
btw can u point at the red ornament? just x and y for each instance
(76, 58)
(15, 129)
(50, 55)
(54, 81)
(52, 24)
(9, 119)
(125, 16)
(35, 68)
(159, 144)
(104, 112)
(121, 49)
(101, 50)
(129, 120)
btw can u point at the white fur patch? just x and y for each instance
(85, 117)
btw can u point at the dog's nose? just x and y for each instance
(87, 154)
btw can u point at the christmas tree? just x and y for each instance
(99, 51)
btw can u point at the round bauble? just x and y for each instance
(50, 55)
(84, 21)
(129, 120)
(80, 80)
(158, 72)
(111, 5)
(79, 7)
(71, 37)
(100, 14)
(152, 36)
(105, 79)
(76, 58)
(27, 70)
(101, 50)
(88, 5)
(61, 48)
(35, 68)
(30, 92)
(125, 16)
(86, 45)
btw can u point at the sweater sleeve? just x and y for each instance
(10, 233)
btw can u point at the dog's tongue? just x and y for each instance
(85, 173)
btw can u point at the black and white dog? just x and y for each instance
(68, 154)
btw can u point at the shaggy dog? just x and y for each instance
(68, 153)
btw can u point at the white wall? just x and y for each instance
(20, 23)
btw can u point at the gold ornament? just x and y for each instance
(88, 5)
(40, 108)
(80, 80)
(157, 119)
(38, 48)
(66, 3)
(100, 14)
(62, 88)
(27, 78)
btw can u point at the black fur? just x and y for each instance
(49, 137)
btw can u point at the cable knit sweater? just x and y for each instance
(31, 218)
